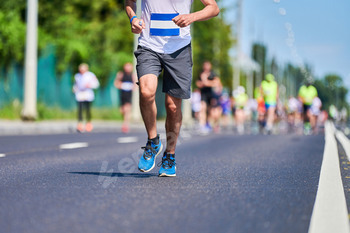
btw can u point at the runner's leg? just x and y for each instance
(88, 111)
(127, 112)
(173, 121)
(80, 111)
(148, 87)
(270, 117)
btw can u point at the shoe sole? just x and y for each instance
(154, 163)
(167, 175)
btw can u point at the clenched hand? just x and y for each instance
(183, 20)
(137, 25)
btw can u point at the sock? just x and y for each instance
(171, 155)
(155, 140)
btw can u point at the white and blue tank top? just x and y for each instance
(161, 34)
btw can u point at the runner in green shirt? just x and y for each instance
(307, 93)
(241, 99)
(269, 91)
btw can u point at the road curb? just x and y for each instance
(8, 128)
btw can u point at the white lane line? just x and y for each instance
(330, 213)
(345, 142)
(2, 155)
(127, 139)
(74, 145)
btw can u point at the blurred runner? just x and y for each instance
(323, 117)
(250, 109)
(307, 93)
(125, 81)
(196, 104)
(206, 81)
(225, 103)
(344, 116)
(241, 99)
(251, 115)
(84, 83)
(315, 111)
(292, 110)
(280, 116)
(164, 45)
(261, 109)
(215, 107)
(299, 121)
(269, 91)
(333, 112)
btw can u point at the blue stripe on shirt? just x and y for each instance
(165, 32)
(163, 17)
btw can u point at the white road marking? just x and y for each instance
(74, 145)
(330, 212)
(127, 139)
(345, 142)
(2, 155)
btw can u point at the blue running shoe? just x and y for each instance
(168, 165)
(151, 151)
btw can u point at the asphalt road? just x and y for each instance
(224, 183)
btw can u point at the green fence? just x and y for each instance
(52, 90)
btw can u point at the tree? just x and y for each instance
(331, 90)
(96, 32)
(259, 54)
(12, 32)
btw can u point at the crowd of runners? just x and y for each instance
(215, 109)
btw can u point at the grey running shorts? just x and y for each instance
(177, 77)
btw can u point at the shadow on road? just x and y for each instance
(116, 174)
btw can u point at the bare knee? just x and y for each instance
(148, 87)
(172, 108)
(147, 93)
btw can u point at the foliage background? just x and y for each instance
(98, 33)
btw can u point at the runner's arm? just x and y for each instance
(262, 91)
(118, 80)
(199, 84)
(130, 9)
(300, 96)
(215, 82)
(93, 82)
(209, 11)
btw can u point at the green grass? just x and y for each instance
(107, 114)
(53, 113)
(13, 110)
